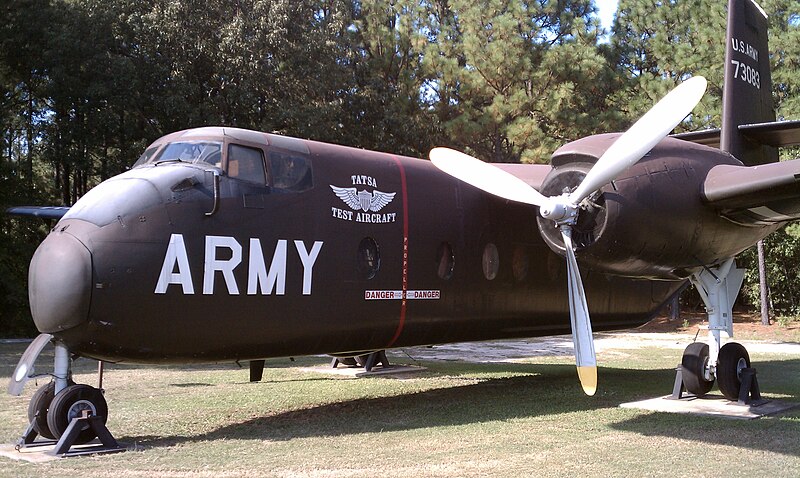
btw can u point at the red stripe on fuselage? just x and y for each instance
(403, 302)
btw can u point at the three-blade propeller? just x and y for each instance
(629, 148)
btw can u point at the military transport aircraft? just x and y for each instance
(228, 244)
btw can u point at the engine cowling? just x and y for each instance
(651, 221)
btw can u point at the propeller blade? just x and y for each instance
(579, 318)
(484, 176)
(651, 128)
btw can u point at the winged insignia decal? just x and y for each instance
(364, 200)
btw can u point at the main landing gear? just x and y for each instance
(703, 363)
(62, 412)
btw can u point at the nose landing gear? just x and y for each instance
(62, 412)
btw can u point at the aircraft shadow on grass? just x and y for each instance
(539, 391)
(749, 434)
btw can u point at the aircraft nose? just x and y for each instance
(60, 282)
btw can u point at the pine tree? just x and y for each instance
(514, 80)
(659, 44)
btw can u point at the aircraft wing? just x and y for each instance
(755, 195)
(46, 212)
(775, 133)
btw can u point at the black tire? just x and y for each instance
(69, 404)
(37, 409)
(733, 357)
(38, 406)
(694, 361)
(348, 361)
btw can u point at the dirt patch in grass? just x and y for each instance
(746, 325)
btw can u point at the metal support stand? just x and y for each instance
(29, 439)
(749, 393)
(678, 388)
(374, 359)
(346, 361)
(63, 447)
(108, 442)
(368, 361)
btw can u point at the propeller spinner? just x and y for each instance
(629, 148)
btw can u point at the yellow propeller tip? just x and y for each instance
(588, 378)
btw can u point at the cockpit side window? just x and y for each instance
(290, 171)
(146, 156)
(246, 164)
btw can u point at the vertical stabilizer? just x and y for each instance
(747, 95)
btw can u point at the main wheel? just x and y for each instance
(71, 403)
(733, 358)
(694, 362)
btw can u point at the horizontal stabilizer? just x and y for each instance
(46, 212)
(776, 133)
(707, 137)
(756, 195)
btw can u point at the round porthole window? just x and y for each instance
(368, 260)
(491, 261)
(445, 261)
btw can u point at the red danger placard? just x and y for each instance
(398, 295)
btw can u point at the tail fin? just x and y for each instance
(747, 95)
(749, 130)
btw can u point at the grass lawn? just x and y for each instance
(454, 419)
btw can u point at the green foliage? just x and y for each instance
(659, 44)
(787, 320)
(782, 250)
(784, 24)
(514, 80)
(18, 240)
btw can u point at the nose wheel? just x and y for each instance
(38, 407)
(49, 414)
(76, 401)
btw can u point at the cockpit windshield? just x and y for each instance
(209, 152)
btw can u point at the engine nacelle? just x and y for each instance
(650, 222)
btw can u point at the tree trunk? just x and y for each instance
(29, 145)
(762, 280)
(675, 308)
(65, 184)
